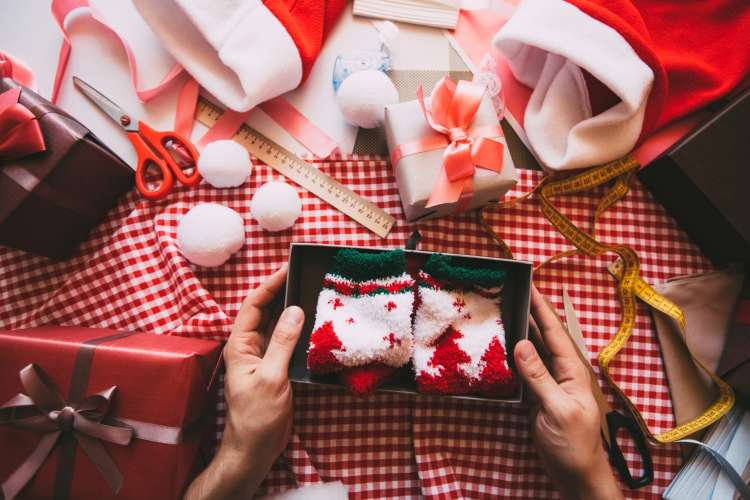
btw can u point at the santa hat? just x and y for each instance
(606, 72)
(244, 52)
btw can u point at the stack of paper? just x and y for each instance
(702, 478)
(437, 13)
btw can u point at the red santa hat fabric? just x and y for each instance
(244, 52)
(606, 72)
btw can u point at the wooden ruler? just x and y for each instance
(295, 168)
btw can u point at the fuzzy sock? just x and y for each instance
(363, 319)
(459, 339)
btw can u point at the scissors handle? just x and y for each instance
(146, 158)
(617, 421)
(158, 141)
(151, 147)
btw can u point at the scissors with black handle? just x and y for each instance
(611, 420)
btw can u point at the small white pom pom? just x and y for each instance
(276, 206)
(363, 96)
(210, 233)
(224, 164)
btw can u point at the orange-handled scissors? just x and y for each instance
(151, 147)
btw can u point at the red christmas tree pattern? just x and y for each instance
(325, 341)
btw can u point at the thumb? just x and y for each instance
(537, 377)
(283, 340)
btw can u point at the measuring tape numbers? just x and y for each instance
(630, 283)
(296, 169)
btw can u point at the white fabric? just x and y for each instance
(236, 49)
(323, 491)
(548, 43)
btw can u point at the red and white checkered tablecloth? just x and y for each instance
(130, 275)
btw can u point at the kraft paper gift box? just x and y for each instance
(416, 174)
(163, 392)
(51, 199)
(308, 264)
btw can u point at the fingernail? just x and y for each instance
(525, 350)
(292, 316)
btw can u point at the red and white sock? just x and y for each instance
(363, 320)
(459, 339)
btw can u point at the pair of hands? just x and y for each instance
(565, 417)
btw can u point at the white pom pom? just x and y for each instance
(224, 164)
(210, 233)
(363, 96)
(276, 206)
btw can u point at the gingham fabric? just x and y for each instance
(130, 275)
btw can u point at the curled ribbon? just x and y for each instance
(451, 113)
(20, 133)
(44, 410)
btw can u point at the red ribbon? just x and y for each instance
(451, 112)
(43, 409)
(20, 133)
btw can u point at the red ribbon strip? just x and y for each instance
(43, 409)
(20, 133)
(451, 112)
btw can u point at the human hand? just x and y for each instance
(258, 395)
(566, 419)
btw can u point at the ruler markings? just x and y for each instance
(295, 168)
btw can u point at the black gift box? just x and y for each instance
(308, 264)
(703, 181)
(65, 190)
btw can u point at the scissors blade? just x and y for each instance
(576, 335)
(105, 104)
(574, 327)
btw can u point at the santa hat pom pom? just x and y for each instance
(363, 96)
(224, 164)
(210, 233)
(276, 206)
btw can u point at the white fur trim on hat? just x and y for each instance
(236, 49)
(548, 44)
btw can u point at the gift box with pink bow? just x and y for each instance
(449, 154)
(57, 180)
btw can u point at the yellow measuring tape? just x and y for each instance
(627, 272)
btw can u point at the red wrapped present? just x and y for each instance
(93, 413)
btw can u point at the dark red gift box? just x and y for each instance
(163, 392)
(50, 200)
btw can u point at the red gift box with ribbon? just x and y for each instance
(94, 413)
(448, 155)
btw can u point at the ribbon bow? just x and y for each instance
(43, 409)
(20, 133)
(451, 113)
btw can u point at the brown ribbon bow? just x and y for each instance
(43, 409)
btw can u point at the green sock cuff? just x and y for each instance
(490, 274)
(360, 266)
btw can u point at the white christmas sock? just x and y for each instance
(459, 339)
(363, 319)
